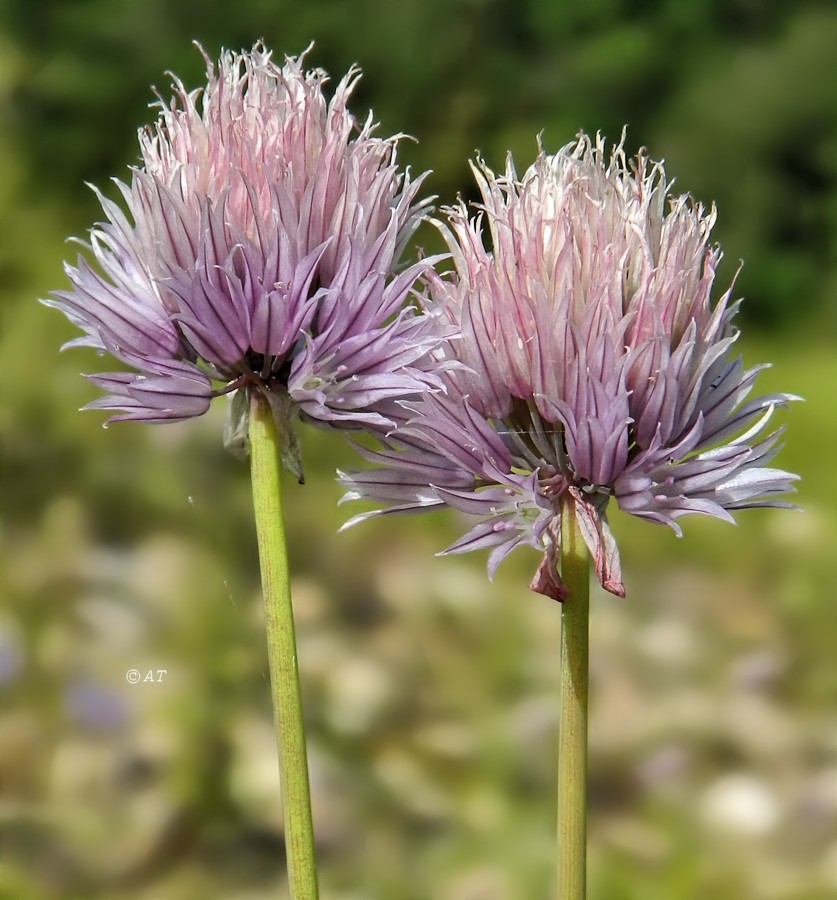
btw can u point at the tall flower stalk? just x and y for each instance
(591, 365)
(281, 646)
(575, 691)
(256, 254)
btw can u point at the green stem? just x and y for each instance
(281, 646)
(572, 752)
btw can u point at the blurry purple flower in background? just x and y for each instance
(95, 706)
(595, 366)
(263, 230)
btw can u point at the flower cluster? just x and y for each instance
(580, 359)
(259, 251)
(594, 364)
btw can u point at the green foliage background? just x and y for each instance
(431, 693)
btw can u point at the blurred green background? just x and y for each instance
(430, 693)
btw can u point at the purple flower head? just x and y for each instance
(594, 365)
(263, 230)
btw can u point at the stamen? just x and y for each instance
(232, 386)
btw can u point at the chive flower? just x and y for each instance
(593, 365)
(257, 248)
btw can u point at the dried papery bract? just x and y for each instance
(595, 366)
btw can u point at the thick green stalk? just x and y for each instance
(281, 646)
(572, 751)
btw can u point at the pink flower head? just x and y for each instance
(594, 365)
(262, 234)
